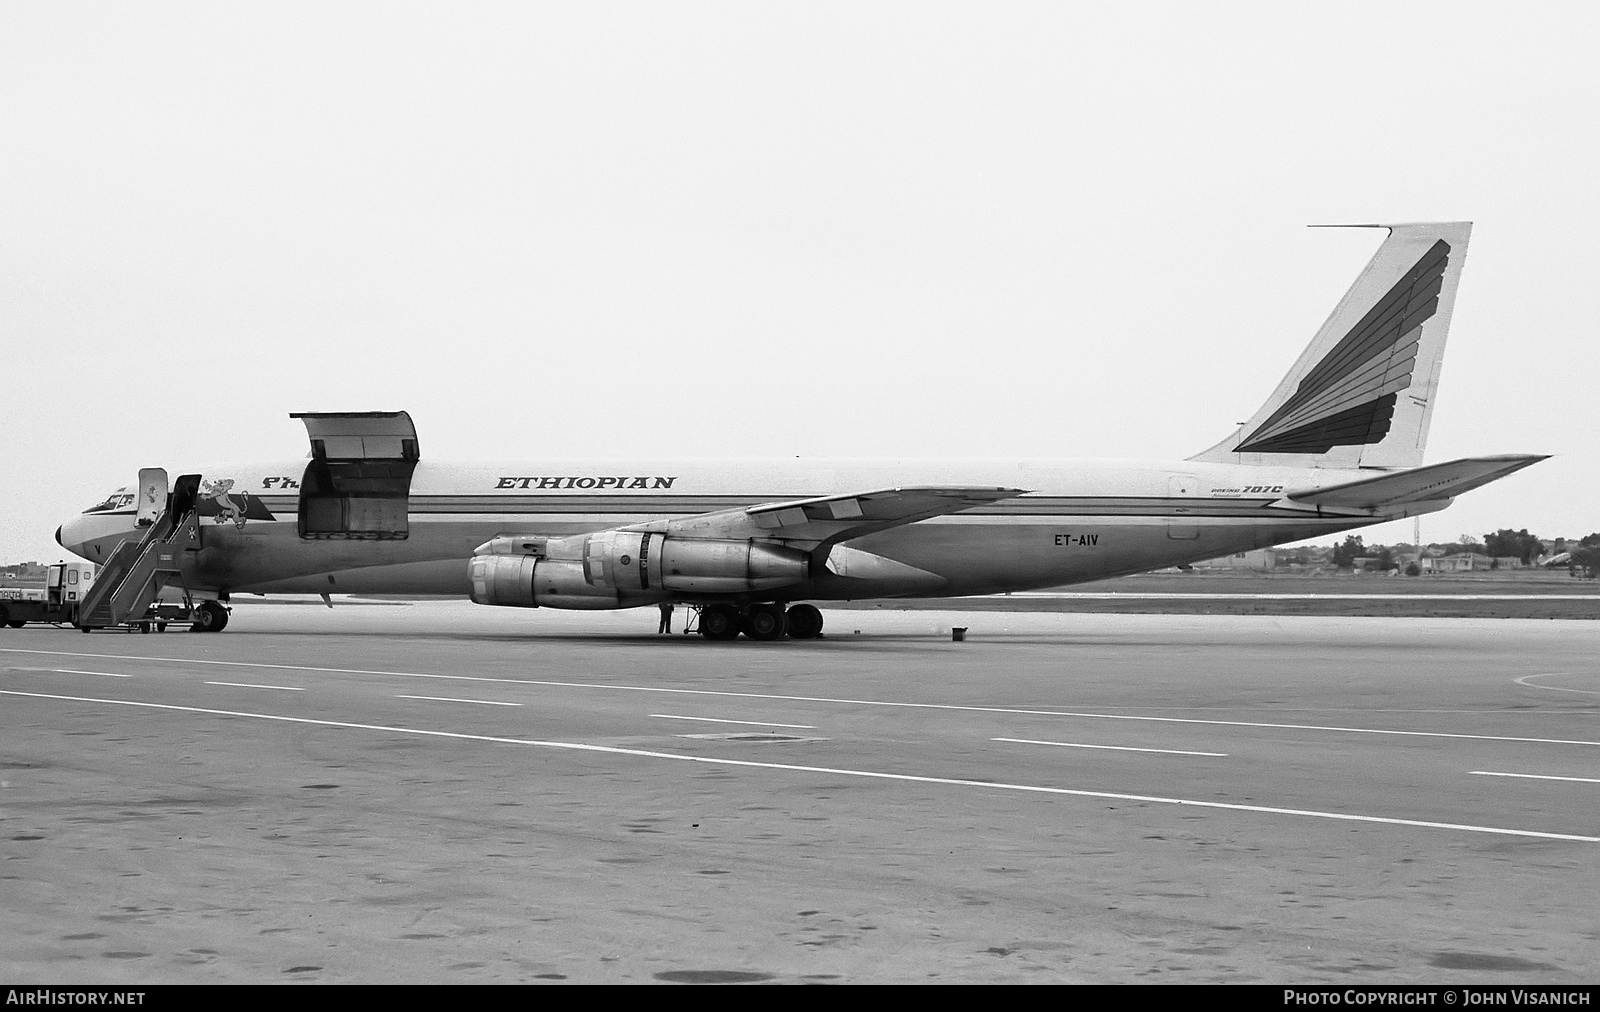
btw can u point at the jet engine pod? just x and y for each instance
(625, 569)
(505, 580)
(730, 567)
(641, 568)
(527, 582)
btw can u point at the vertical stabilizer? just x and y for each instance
(1361, 395)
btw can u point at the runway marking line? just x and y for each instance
(720, 720)
(1534, 776)
(1527, 680)
(1115, 748)
(452, 699)
(820, 699)
(793, 768)
(104, 674)
(249, 685)
(1130, 596)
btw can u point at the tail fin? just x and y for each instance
(1362, 394)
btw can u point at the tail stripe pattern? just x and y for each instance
(1349, 397)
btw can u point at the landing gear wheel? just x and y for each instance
(805, 622)
(209, 616)
(765, 622)
(144, 627)
(161, 627)
(719, 622)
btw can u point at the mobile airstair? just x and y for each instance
(137, 571)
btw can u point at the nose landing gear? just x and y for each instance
(209, 616)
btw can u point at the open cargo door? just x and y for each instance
(357, 485)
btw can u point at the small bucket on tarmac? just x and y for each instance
(958, 634)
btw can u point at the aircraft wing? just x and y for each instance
(830, 519)
(1419, 484)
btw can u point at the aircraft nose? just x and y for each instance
(72, 536)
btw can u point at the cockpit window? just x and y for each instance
(121, 499)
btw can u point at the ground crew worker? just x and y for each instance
(666, 619)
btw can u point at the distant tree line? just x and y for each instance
(1346, 554)
(1502, 544)
(1587, 553)
(1506, 543)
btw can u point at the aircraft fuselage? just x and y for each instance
(1079, 520)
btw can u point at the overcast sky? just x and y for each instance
(852, 229)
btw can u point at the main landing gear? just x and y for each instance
(764, 622)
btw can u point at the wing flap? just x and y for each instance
(831, 519)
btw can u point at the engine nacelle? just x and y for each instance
(625, 569)
(729, 567)
(529, 582)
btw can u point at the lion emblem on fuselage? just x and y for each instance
(228, 508)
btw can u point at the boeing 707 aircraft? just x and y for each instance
(750, 543)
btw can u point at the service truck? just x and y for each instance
(65, 585)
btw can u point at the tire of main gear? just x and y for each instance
(765, 622)
(805, 622)
(719, 622)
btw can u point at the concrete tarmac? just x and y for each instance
(437, 792)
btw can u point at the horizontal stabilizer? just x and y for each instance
(1421, 484)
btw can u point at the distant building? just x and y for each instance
(1261, 560)
(1463, 562)
(22, 572)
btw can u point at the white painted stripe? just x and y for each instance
(1535, 776)
(719, 720)
(830, 771)
(1115, 748)
(107, 674)
(827, 699)
(1528, 680)
(250, 685)
(1114, 596)
(452, 699)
